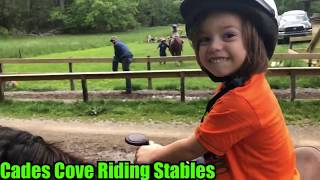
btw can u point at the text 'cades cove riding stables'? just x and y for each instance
(108, 170)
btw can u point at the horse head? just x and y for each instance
(19, 147)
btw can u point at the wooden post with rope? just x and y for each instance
(2, 84)
(312, 45)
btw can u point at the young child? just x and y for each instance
(244, 131)
(162, 49)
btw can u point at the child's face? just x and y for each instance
(221, 49)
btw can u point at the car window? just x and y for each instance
(294, 18)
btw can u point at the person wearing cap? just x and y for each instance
(175, 32)
(243, 131)
(123, 55)
(162, 49)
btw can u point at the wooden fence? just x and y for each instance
(147, 60)
(310, 49)
(182, 74)
(275, 57)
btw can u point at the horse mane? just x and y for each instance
(19, 147)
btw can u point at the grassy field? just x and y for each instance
(64, 46)
(153, 110)
(31, 46)
(99, 46)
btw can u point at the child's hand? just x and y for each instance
(146, 154)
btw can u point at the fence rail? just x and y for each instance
(276, 57)
(182, 74)
(148, 60)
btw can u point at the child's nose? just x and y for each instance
(216, 45)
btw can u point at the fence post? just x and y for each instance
(1, 85)
(293, 86)
(149, 68)
(312, 45)
(182, 87)
(84, 90)
(71, 80)
(309, 62)
(290, 44)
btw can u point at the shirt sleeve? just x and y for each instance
(229, 121)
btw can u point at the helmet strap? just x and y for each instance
(227, 86)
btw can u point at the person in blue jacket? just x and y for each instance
(123, 55)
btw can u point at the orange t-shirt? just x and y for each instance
(246, 126)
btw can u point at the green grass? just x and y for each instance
(63, 46)
(31, 46)
(98, 46)
(303, 111)
(107, 110)
(157, 110)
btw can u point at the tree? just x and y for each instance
(315, 6)
(160, 12)
(286, 5)
(97, 15)
(83, 16)
(25, 15)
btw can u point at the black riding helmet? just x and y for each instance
(261, 14)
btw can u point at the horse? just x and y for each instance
(176, 46)
(19, 147)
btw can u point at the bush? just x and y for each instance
(4, 31)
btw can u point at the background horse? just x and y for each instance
(175, 46)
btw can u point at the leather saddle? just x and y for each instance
(308, 162)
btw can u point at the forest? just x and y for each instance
(21, 17)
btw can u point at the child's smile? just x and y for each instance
(218, 60)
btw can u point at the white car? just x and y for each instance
(294, 23)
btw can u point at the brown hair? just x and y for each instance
(256, 60)
(19, 147)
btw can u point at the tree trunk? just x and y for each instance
(29, 24)
(307, 7)
(13, 4)
(152, 21)
(28, 5)
(61, 3)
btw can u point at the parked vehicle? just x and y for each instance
(294, 23)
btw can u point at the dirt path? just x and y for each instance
(98, 140)
(105, 140)
(70, 96)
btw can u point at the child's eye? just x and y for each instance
(229, 35)
(203, 40)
